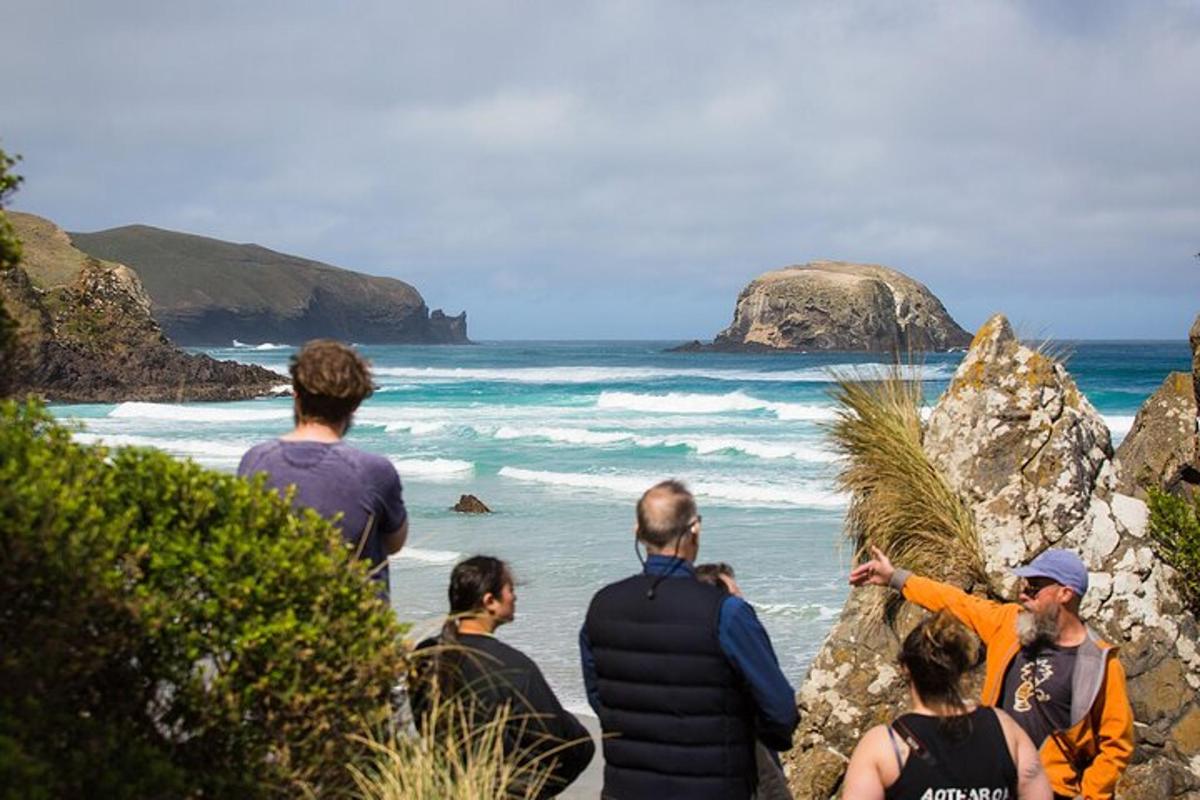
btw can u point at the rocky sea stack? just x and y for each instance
(836, 305)
(85, 334)
(1032, 460)
(208, 292)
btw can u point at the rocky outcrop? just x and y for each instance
(208, 292)
(1163, 448)
(834, 305)
(1015, 438)
(85, 334)
(470, 504)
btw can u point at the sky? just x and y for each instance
(620, 170)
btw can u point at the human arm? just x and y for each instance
(393, 519)
(392, 542)
(567, 743)
(1115, 735)
(747, 646)
(587, 661)
(1032, 783)
(985, 617)
(864, 780)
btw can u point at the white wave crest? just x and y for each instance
(701, 445)
(577, 374)
(199, 413)
(713, 491)
(428, 556)
(433, 468)
(263, 346)
(1118, 424)
(196, 448)
(809, 611)
(685, 403)
(415, 428)
(563, 435)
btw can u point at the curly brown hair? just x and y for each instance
(935, 654)
(330, 380)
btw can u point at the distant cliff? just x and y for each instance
(209, 292)
(85, 334)
(835, 305)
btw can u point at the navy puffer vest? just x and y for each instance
(683, 718)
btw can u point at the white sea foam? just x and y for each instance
(199, 413)
(433, 468)
(415, 428)
(591, 374)
(688, 403)
(736, 493)
(196, 448)
(263, 346)
(702, 445)
(807, 611)
(428, 556)
(1118, 424)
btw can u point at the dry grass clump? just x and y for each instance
(899, 501)
(453, 758)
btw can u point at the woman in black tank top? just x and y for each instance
(942, 750)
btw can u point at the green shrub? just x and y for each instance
(169, 631)
(1175, 535)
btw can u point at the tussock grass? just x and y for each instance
(899, 501)
(452, 758)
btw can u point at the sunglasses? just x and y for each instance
(1034, 586)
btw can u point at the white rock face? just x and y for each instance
(1027, 452)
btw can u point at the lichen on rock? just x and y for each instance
(1032, 459)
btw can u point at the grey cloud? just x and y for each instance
(517, 158)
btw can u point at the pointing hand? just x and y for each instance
(876, 572)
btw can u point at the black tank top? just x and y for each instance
(977, 765)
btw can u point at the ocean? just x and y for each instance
(560, 438)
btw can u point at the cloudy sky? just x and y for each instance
(622, 169)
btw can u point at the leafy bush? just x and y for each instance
(1175, 535)
(169, 631)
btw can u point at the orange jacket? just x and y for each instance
(1101, 732)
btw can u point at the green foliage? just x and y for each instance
(899, 501)
(10, 246)
(10, 255)
(169, 631)
(1175, 536)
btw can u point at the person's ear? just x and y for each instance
(488, 601)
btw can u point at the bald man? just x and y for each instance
(681, 674)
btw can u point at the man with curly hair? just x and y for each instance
(359, 491)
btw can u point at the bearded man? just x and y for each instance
(1055, 677)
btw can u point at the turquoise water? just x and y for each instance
(560, 439)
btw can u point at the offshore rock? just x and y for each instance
(209, 292)
(835, 305)
(1032, 459)
(470, 504)
(85, 334)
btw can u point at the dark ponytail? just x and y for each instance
(935, 654)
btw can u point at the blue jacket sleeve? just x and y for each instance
(588, 663)
(748, 648)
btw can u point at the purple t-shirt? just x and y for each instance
(332, 479)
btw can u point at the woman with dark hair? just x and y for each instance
(943, 748)
(485, 674)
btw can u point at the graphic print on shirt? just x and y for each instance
(1033, 675)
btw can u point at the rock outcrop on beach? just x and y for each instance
(208, 292)
(85, 334)
(1162, 449)
(470, 504)
(1029, 455)
(835, 305)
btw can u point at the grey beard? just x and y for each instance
(1037, 629)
